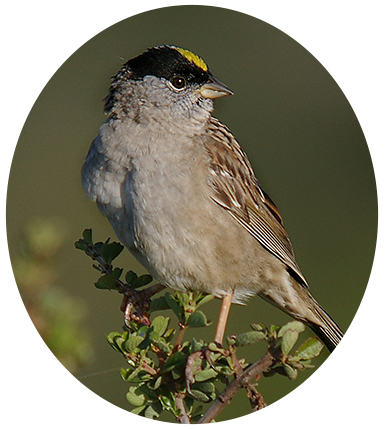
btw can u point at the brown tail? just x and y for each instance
(348, 355)
(302, 306)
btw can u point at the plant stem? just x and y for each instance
(183, 416)
(263, 365)
(179, 337)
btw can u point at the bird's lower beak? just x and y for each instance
(214, 88)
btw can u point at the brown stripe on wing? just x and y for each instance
(236, 189)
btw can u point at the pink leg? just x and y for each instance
(223, 316)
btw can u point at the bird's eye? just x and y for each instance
(178, 82)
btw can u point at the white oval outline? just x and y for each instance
(22, 126)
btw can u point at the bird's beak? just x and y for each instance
(214, 88)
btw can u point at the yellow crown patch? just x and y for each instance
(193, 58)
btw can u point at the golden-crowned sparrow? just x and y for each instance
(181, 194)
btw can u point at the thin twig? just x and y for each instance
(263, 365)
(183, 416)
(179, 337)
(189, 369)
(261, 414)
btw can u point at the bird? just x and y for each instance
(182, 196)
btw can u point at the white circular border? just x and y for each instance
(375, 268)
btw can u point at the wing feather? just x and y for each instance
(236, 189)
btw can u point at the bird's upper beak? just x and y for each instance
(214, 88)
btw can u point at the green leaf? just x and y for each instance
(110, 251)
(81, 245)
(288, 340)
(112, 337)
(169, 334)
(175, 307)
(143, 280)
(135, 399)
(162, 345)
(294, 325)
(132, 343)
(197, 414)
(117, 272)
(258, 326)
(197, 320)
(114, 419)
(151, 412)
(133, 376)
(274, 328)
(87, 235)
(248, 338)
(310, 349)
(230, 341)
(290, 372)
(175, 360)
(106, 282)
(196, 345)
(214, 348)
(200, 396)
(142, 331)
(204, 392)
(131, 418)
(189, 403)
(166, 403)
(159, 304)
(205, 374)
(204, 300)
(160, 324)
(130, 277)
(206, 387)
(156, 385)
(185, 299)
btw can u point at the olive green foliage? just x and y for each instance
(167, 378)
(165, 373)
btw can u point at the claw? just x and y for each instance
(189, 371)
(204, 353)
(207, 355)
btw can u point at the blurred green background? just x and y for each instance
(291, 118)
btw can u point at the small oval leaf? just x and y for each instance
(200, 396)
(135, 399)
(106, 282)
(110, 251)
(143, 280)
(248, 338)
(294, 325)
(310, 349)
(131, 418)
(205, 374)
(205, 300)
(160, 324)
(290, 372)
(159, 304)
(87, 235)
(288, 340)
(173, 304)
(198, 320)
(132, 343)
(175, 360)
